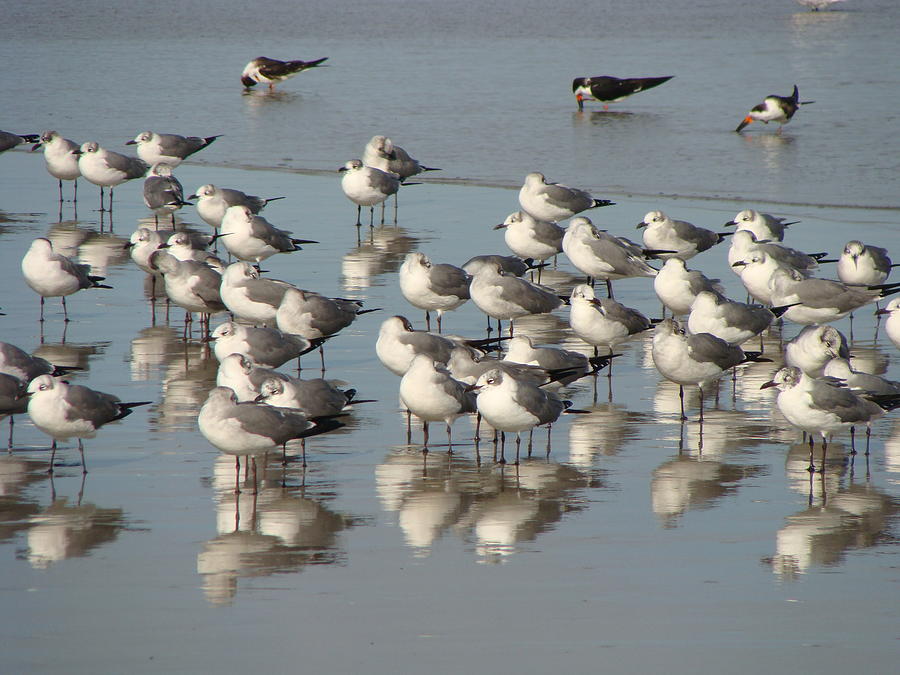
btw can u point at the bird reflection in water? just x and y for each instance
(17, 475)
(498, 508)
(277, 530)
(383, 253)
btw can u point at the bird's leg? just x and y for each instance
(701, 405)
(439, 317)
(502, 448)
(322, 356)
(75, 199)
(284, 454)
(477, 428)
(852, 440)
(372, 217)
(42, 309)
(518, 444)
(812, 465)
(9, 443)
(303, 450)
(110, 204)
(824, 450)
(530, 440)
(52, 456)
(60, 191)
(425, 432)
(549, 429)
(396, 198)
(65, 310)
(681, 398)
(255, 479)
(449, 440)
(237, 474)
(511, 322)
(868, 436)
(81, 451)
(358, 215)
(609, 292)
(102, 203)
(382, 211)
(427, 320)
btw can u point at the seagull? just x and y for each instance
(185, 247)
(53, 275)
(774, 109)
(744, 244)
(764, 226)
(522, 350)
(864, 384)
(398, 342)
(249, 428)
(366, 186)
(681, 237)
(608, 89)
(249, 296)
(13, 401)
(141, 245)
(252, 237)
(863, 264)
(213, 202)
(314, 316)
(192, 285)
(697, 359)
(61, 157)
(107, 168)
(816, 5)
(892, 325)
(430, 392)
(9, 140)
(677, 287)
(510, 264)
(62, 411)
(502, 296)
(381, 153)
(264, 346)
(163, 193)
(509, 404)
(22, 365)
(170, 149)
(602, 321)
(315, 397)
(263, 70)
(528, 237)
(821, 300)
(552, 201)
(600, 255)
(734, 322)
(819, 406)
(814, 347)
(757, 272)
(433, 287)
(244, 377)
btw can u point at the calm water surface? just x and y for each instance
(638, 544)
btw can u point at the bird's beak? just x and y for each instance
(128, 245)
(217, 235)
(882, 312)
(730, 223)
(260, 398)
(165, 245)
(769, 384)
(77, 152)
(473, 387)
(640, 225)
(500, 226)
(342, 169)
(131, 142)
(36, 146)
(744, 123)
(739, 263)
(193, 197)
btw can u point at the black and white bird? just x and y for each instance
(367, 186)
(608, 89)
(263, 70)
(683, 239)
(863, 264)
(764, 226)
(64, 411)
(106, 168)
(213, 202)
(553, 201)
(774, 109)
(432, 394)
(61, 157)
(163, 193)
(433, 287)
(250, 237)
(171, 149)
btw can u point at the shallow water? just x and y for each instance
(637, 543)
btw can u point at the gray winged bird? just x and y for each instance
(171, 149)
(263, 70)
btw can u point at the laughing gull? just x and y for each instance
(312, 315)
(244, 377)
(510, 264)
(820, 300)
(264, 346)
(510, 404)
(170, 149)
(192, 285)
(61, 158)
(107, 168)
(502, 296)
(251, 237)
(53, 275)
(764, 226)
(744, 244)
(816, 5)
(13, 401)
(528, 237)
(163, 193)
(467, 365)
(677, 287)
(697, 359)
(858, 382)
(186, 247)
(774, 109)
(249, 296)
(602, 321)
(24, 366)
(398, 342)
(366, 186)
(142, 243)
(756, 274)
(819, 406)
(734, 322)
(814, 347)
(9, 140)
(522, 350)
(430, 392)
(607, 88)
(381, 153)
(213, 202)
(600, 255)
(433, 287)
(249, 428)
(863, 264)
(892, 325)
(263, 70)
(681, 237)
(62, 411)
(553, 201)
(315, 397)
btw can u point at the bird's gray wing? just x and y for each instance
(266, 291)
(96, 407)
(449, 280)
(706, 348)
(842, 402)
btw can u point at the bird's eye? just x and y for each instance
(490, 380)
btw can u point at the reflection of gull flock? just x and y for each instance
(508, 384)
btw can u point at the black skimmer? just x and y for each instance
(774, 109)
(264, 70)
(607, 88)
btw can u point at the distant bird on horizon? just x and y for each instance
(816, 5)
(774, 109)
(264, 70)
(607, 88)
